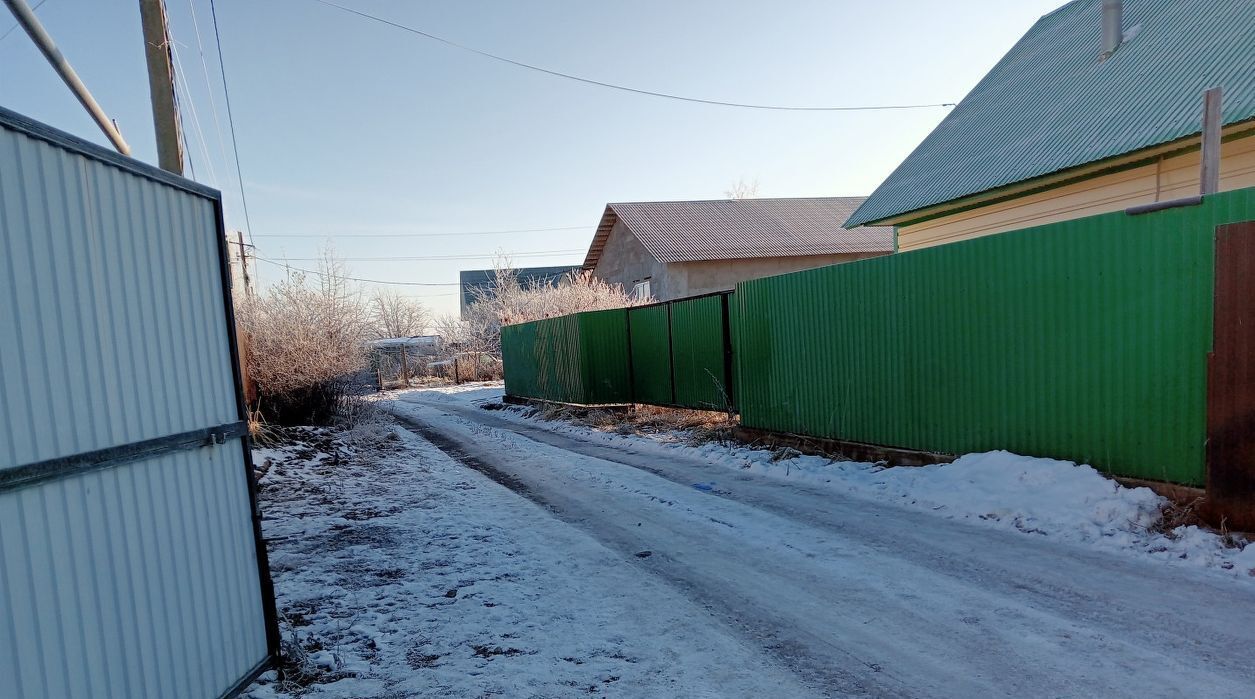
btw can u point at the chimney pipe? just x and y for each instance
(1112, 26)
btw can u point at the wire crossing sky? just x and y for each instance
(429, 155)
(612, 86)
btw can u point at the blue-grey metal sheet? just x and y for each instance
(135, 581)
(137, 578)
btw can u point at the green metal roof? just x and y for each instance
(1050, 104)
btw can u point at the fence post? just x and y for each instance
(727, 352)
(457, 374)
(627, 315)
(671, 352)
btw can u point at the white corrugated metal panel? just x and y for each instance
(110, 303)
(126, 570)
(135, 581)
(734, 229)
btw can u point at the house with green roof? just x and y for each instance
(1079, 119)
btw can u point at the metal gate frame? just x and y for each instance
(59, 468)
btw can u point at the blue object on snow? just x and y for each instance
(707, 487)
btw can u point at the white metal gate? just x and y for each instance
(131, 562)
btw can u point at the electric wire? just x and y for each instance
(226, 93)
(625, 88)
(191, 105)
(436, 258)
(209, 87)
(10, 30)
(417, 235)
(355, 279)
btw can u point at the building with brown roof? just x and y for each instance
(672, 249)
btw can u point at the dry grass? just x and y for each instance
(698, 426)
(1177, 514)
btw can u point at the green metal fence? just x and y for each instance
(651, 354)
(1085, 340)
(580, 358)
(700, 353)
(672, 354)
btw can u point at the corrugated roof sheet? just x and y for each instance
(731, 229)
(1050, 104)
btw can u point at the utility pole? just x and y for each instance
(248, 286)
(157, 51)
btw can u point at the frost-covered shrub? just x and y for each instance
(509, 301)
(306, 342)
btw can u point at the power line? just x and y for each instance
(420, 258)
(355, 279)
(624, 88)
(209, 87)
(9, 31)
(191, 105)
(226, 92)
(417, 235)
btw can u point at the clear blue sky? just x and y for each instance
(347, 127)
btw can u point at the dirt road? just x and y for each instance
(859, 598)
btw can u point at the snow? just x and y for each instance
(858, 595)
(402, 573)
(1047, 497)
(577, 562)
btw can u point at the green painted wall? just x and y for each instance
(1085, 340)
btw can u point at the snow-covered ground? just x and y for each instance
(404, 574)
(485, 553)
(1047, 497)
(857, 596)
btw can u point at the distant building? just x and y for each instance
(671, 249)
(1090, 112)
(475, 280)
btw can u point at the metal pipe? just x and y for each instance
(26, 17)
(1112, 26)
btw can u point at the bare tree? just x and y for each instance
(742, 189)
(394, 315)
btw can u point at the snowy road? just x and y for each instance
(858, 598)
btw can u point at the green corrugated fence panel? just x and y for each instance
(698, 353)
(543, 359)
(604, 350)
(651, 354)
(517, 359)
(1085, 340)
